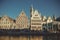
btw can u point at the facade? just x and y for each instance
(49, 20)
(6, 22)
(51, 25)
(22, 21)
(44, 18)
(36, 22)
(14, 26)
(56, 26)
(48, 23)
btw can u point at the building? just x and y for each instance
(6, 22)
(56, 26)
(48, 23)
(59, 26)
(44, 18)
(49, 20)
(22, 21)
(36, 22)
(14, 25)
(51, 25)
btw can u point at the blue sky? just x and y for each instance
(12, 8)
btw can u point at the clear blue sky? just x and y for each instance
(12, 8)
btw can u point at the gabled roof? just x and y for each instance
(22, 13)
(7, 17)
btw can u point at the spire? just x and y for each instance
(31, 10)
(32, 7)
(54, 18)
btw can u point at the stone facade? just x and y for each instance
(36, 22)
(22, 20)
(6, 22)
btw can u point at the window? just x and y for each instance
(36, 23)
(36, 15)
(33, 26)
(6, 19)
(36, 20)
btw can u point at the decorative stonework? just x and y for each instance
(22, 20)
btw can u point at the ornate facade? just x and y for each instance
(22, 21)
(36, 22)
(6, 22)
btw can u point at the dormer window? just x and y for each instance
(36, 15)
